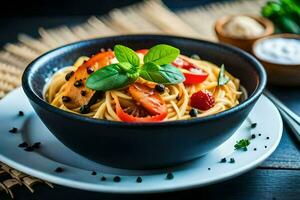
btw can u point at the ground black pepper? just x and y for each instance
(36, 145)
(139, 179)
(232, 160)
(193, 112)
(254, 149)
(253, 125)
(265, 146)
(13, 130)
(21, 113)
(29, 148)
(169, 176)
(89, 70)
(117, 179)
(103, 178)
(94, 173)
(69, 75)
(259, 134)
(268, 138)
(78, 83)
(66, 99)
(160, 88)
(223, 160)
(85, 109)
(208, 168)
(83, 93)
(253, 136)
(59, 170)
(23, 145)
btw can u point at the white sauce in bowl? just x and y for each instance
(279, 50)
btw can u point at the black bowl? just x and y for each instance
(145, 145)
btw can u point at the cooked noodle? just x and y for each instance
(176, 96)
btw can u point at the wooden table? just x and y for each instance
(276, 178)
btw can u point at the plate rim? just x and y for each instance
(112, 189)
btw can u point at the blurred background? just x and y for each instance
(28, 16)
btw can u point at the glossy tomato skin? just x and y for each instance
(149, 99)
(193, 74)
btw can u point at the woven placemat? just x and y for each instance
(147, 17)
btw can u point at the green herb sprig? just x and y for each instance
(242, 144)
(156, 68)
(222, 79)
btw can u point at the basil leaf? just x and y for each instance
(125, 54)
(161, 54)
(222, 79)
(166, 74)
(112, 77)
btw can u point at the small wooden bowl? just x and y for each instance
(280, 74)
(243, 43)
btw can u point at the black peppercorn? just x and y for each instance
(83, 93)
(193, 112)
(160, 88)
(66, 99)
(103, 178)
(253, 136)
(253, 125)
(232, 160)
(36, 145)
(13, 130)
(169, 176)
(89, 70)
(85, 109)
(21, 113)
(117, 179)
(59, 169)
(78, 83)
(223, 160)
(29, 148)
(69, 75)
(94, 173)
(23, 145)
(139, 179)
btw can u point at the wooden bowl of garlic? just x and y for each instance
(242, 30)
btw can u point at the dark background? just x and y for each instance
(26, 16)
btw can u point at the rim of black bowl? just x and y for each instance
(256, 93)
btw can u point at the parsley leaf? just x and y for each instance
(242, 144)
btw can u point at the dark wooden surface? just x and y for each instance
(276, 178)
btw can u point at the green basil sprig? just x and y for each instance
(156, 68)
(161, 74)
(222, 79)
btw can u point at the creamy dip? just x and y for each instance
(279, 50)
(243, 27)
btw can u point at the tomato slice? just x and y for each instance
(142, 51)
(193, 74)
(149, 99)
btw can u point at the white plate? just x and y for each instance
(77, 170)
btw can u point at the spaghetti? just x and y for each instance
(176, 98)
